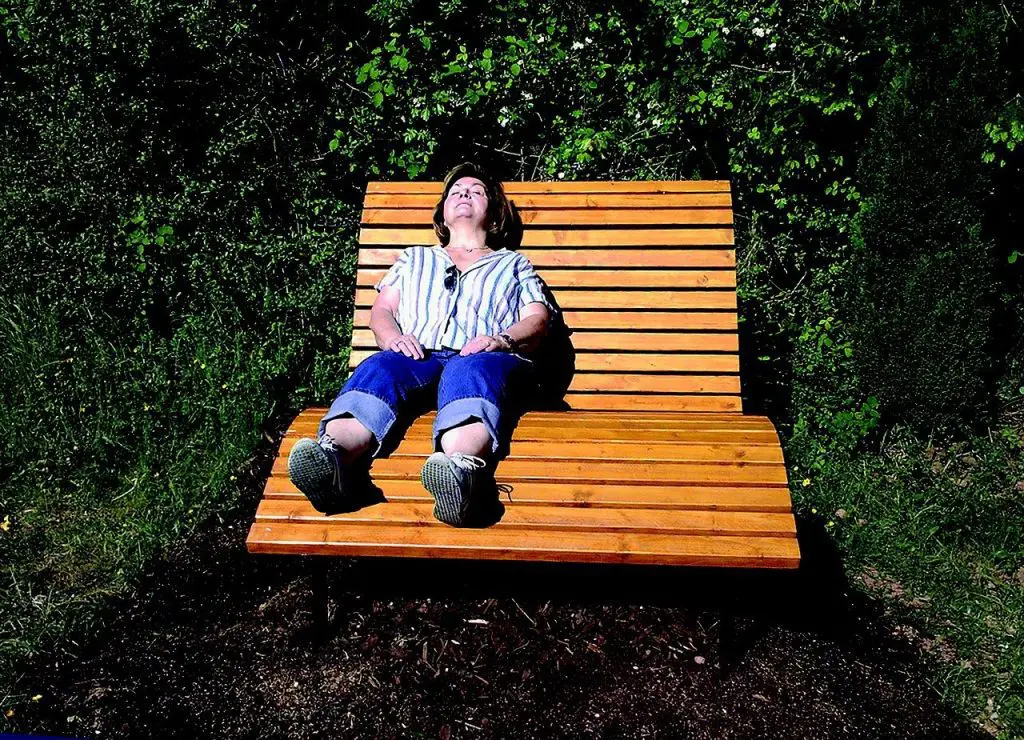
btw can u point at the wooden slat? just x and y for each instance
(631, 403)
(566, 200)
(422, 429)
(629, 341)
(597, 471)
(607, 279)
(611, 186)
(676, 422)
(655, 383)
(619, 299)
(567, 217)
(654, 521)
(619, 429)
(646, 320)
(553, 545)
(594, 495)
(637, 383)
(632, 362)
(569, 238)
(596, 257)
(422, 446)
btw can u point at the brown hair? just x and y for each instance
(501, 215)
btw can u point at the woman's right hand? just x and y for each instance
(408, 345)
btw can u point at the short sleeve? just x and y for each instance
(531, 288)
(396, 272)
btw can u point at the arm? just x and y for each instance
(385, 327)
(527, 332)
(531, 327)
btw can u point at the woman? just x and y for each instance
(455, 321)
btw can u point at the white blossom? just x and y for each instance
(577, 45)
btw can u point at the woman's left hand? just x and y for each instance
(483, 344)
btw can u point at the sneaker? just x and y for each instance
(315, 468)
(459, 485)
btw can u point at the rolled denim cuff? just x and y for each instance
(458, 412)
(369, 410)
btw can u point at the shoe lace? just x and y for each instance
(506, 489)
(468, 462)
(326, 441)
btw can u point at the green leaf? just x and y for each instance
(1013, 256)
(378, 99)
(333, 145)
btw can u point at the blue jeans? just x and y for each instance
(388, 387)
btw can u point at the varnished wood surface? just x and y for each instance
(654, 464)
(658, 488)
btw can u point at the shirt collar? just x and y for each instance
(482, 260)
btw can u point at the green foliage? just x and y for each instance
(923, 278)
(182, 186)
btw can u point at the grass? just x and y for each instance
(936, 532)
(115, 443)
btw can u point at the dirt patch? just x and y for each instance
(220, 644)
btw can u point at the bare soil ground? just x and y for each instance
(219, 643)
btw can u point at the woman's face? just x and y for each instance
(467, 200)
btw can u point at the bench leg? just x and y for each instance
(321, 596)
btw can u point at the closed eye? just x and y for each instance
(479, 192)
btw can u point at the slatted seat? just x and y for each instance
(653, 463)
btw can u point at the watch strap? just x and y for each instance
(513, 345)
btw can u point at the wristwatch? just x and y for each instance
(513, 345)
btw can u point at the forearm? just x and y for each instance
(384, 326)
(528, 332)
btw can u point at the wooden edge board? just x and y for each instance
(553, 546)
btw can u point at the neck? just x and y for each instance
(467, 237)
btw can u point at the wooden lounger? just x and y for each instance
(654, 463)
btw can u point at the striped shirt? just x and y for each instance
(484, 300)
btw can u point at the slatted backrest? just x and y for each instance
(645, 273)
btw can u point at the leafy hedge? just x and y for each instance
(181, 186)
